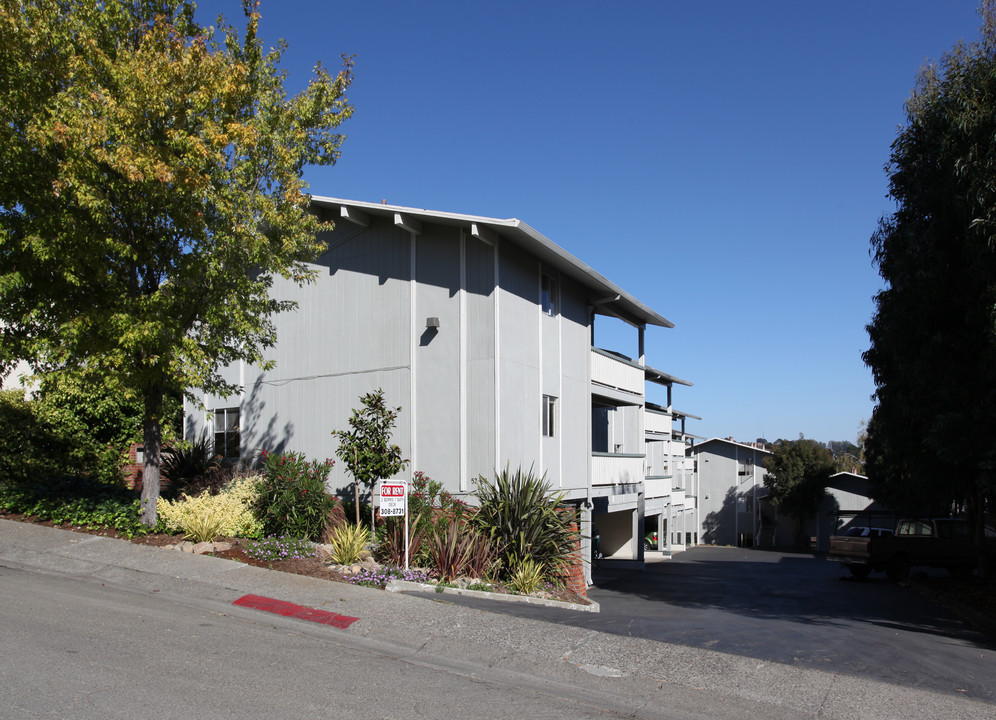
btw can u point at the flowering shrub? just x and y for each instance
(380, 578)
(292, 498)
(279, 548)
(204, 517)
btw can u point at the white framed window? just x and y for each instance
(549, 294)
(227, 434)
(549, 416)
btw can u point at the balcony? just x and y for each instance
(616, 468)
(620, 377)
(657, 423)
(656, 487)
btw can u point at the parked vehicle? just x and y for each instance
(932, 542)
(650, 541)
(867, 532)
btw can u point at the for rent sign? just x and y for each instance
(393, 497)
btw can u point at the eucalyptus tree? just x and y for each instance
(152, 188)
(933, 335)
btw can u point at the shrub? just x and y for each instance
(204, 525)
(391, 540)
(527, 577)
(459, 551)
(525, 521)
(292, 499)
(279, 548)
(348, 543)
(73, 501)
(192, 468)
(229, 513)
(434, 505)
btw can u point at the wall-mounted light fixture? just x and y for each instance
(432, 323)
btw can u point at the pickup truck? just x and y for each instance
(934, 542)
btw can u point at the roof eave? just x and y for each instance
(606, 295)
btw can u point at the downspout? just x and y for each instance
(588, 504)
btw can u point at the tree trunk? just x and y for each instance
(976, 507)
(152, 438)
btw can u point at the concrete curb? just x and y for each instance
(409, 586)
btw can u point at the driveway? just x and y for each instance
(787, 608)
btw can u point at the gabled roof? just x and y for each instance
(607, 297)
(725, 441)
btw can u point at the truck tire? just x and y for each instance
(898, 569)
(859, 572)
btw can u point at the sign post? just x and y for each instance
(394, 503)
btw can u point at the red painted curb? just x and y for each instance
(287, 609)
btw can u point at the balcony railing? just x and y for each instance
(617, 373)
(616, 468)
(657, 487)
(658, 423)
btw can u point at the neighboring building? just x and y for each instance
(481, 330)
(730, 478)
(847, 503)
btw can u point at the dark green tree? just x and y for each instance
(366, 448)
(930, 443)
(798, 471)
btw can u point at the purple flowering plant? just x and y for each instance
(273, 548)
(379, 578)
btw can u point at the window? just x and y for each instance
(600, 428)
(549, 416)
(549, 294)
(226, 433)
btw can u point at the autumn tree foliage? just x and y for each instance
(933, 335)
(151, 189)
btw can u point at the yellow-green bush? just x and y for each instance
(348, 542)
(527, 576)
(229, 513)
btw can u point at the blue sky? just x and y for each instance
(721, 161)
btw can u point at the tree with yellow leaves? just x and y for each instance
(151, 188)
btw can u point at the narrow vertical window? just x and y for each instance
(549, 294)
(549, 416)
(227, 438)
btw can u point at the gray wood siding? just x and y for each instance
(575, 402)
(550, 384)
(362, 325)
(480, 354)
(519, 359)
(437, 357)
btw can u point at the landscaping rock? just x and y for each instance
(200, 548)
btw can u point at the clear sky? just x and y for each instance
(721, 161)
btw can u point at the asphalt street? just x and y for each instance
(99, 628)
(788, 608)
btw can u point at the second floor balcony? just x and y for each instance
(617, 376)
(616, 468)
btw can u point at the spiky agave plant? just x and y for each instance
(525, 520)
